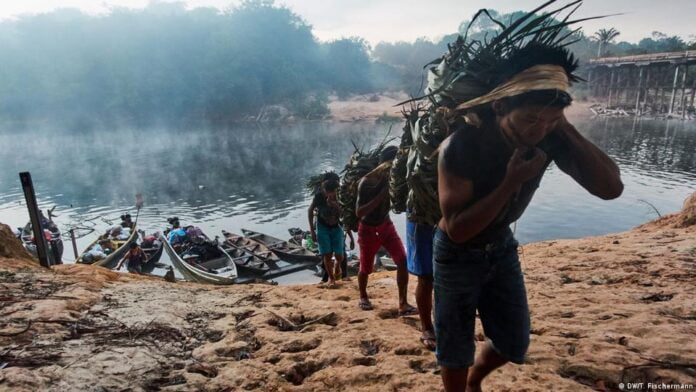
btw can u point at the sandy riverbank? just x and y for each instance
(371, 107)
(603, 308)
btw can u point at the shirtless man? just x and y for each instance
(376, 230)
(487, 175)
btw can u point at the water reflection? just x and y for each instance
(253, 176)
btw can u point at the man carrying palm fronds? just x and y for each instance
(505, 100)
(376, 230)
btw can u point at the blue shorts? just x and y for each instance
(485, 279)
(419, 249)
(330, 240)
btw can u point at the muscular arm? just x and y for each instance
(364, 207)
(587, 164)
(461, 219)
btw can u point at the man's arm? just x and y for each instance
(463, 220)
(587, 164)
(310, 216)
(120, 262)
(363, 207)
(352, 241)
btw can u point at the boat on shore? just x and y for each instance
(285, 250)
(247, 263)
(252, 246)
(202, 260)
(54, 242)
(118, 248)
(153, 251)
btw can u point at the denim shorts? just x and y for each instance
(419, 249)
(330, 240)
(487, 279)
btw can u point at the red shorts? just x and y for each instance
(371, 238)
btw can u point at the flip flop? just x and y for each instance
(365, 305)
(409, 311)
(428, 340)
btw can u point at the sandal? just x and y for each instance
(409, 311)
(428, 340)
(365, 304)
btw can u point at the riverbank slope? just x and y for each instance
(602, 308)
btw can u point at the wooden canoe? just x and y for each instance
(256, 248)
(120, 249)
(55, 244)
(285, 250)
(247, 263)
(153, 256)
(221, 270)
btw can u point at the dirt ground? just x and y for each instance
(607, 309)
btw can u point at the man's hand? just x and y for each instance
(524, 165)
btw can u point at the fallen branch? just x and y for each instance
(289, 325)
(282, 319)
(251, 296)
(317, 320)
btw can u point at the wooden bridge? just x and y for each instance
(649, 83)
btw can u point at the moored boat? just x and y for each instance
(108, 249)
(254, 247)
(283, 249)
(202, 260)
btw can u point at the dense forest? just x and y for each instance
(167, 64)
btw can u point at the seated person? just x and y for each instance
(126, 221)
(177, 237)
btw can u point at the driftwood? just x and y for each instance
(288, 325)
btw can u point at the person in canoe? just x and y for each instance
(134, 259)
(376, 230)
(177, 237)
(127, 221)
(328, 232)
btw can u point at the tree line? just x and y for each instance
(166, 64)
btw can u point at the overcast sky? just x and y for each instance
(393, 20)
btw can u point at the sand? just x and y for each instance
(374, 107)
(607, 309)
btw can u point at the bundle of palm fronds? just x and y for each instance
(427, 133)
(398, 188)
(314, 183)
(470, 69)
(360, 165)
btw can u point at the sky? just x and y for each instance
(406, 20)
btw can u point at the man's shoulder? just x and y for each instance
(462, 143)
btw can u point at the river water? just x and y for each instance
(253, 177)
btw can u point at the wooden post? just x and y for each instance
(674, 89)
(74, 243)
(35, 218)
(693, 92)
(611, 86)
(661, 99)
(683, 91)
(647, 90)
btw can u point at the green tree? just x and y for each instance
(604, 37)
